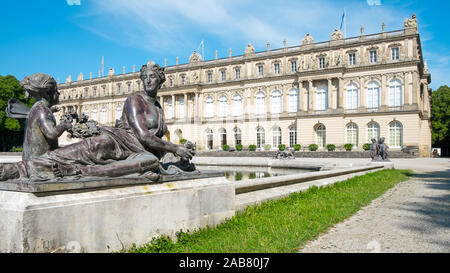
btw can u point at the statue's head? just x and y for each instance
(41, 86)
(152, 75)
(373, 140)
(381, 140)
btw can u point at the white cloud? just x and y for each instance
(73, 2)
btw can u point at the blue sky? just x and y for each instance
(62, 37)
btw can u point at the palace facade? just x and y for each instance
(345, 90)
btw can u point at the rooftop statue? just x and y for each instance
(308, 39)
(133, 147)
(411, 23)
(336, 35)
(249, 49)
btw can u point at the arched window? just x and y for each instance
(321, 98)
(373, 131)
(276, 136)
(223, 137)
(94, 114)
(118, 111)
(260, 137)
(223, 106)
(276, 102)
(237, 136)
(209, 107)
(103, 116)
(209, 139)
(292, 135)
(352, 96)
(321, 135)
(293, 100)
(237, 105)
(395, 134)
(395, 93)
(260, 103)
(373, 95)
(352, 134)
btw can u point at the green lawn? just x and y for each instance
(284, 224)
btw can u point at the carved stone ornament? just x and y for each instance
(308, 39)
(249, 49)
(336, 35)
(195, 57)
(411, 23)
(194, 77)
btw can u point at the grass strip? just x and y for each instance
(285, 224)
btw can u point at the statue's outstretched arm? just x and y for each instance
(48, 125)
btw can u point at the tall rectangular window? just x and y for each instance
(183, 79)
(321, 63)
(373, 56)
(238, 73)
(276, 68)
(293, 66)
(395, 53)
(224, 75)
(209, 77)
(260, 70)
(352, 59)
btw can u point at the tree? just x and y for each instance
(11, 130)
(440, 119)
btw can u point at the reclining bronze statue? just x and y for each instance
(133, 147)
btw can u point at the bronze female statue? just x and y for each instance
(133, 146)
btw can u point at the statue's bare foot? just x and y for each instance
(151, 176)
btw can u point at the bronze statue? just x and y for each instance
(133, 147)
(379, 151)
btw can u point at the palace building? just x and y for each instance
(345, 90)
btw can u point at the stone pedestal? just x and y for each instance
(108, 219)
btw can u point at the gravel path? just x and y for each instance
(414, 216)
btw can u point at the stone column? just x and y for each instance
(361, 94)
(196, 106)
(341, 93)
(185, 105)
(383, 93)
(174, 107)
(310, 96)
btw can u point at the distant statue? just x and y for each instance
(249, 49)
(133, 147)
(286, 154)
(379, 151)
(411, 23)
(308, 39)
(336, 35)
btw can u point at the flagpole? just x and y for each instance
(345, 24)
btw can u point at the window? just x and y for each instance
(395, 93)
(321, 63)
(373, 131)
(395, 53)
(139, 84)
(276, 68)
(276, 102)
(352, 59)
(237, 105)
(352, 96)
(237, 73)
(237, 136)
(118, 111)
(260, 137)
(352, 134)
(292, 136)
(260, 70)
(373, 94)
(293, 66)
(373, 56)
(321, 136)
(104, 90)
(276, 136)
(209, 77)
(209, 107)
(103, 116)
(170, 82)
(293, 100)
(118, 88)
(223, 137)
(181, 108)
(129, 87)
(170, 109)
(209, 139)
(395, 134)
(94, 114)
(183, 79)
(321, 98)
(260, 103)
(86, 92)
(223, 106)
(94, 92)
(224, 75)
